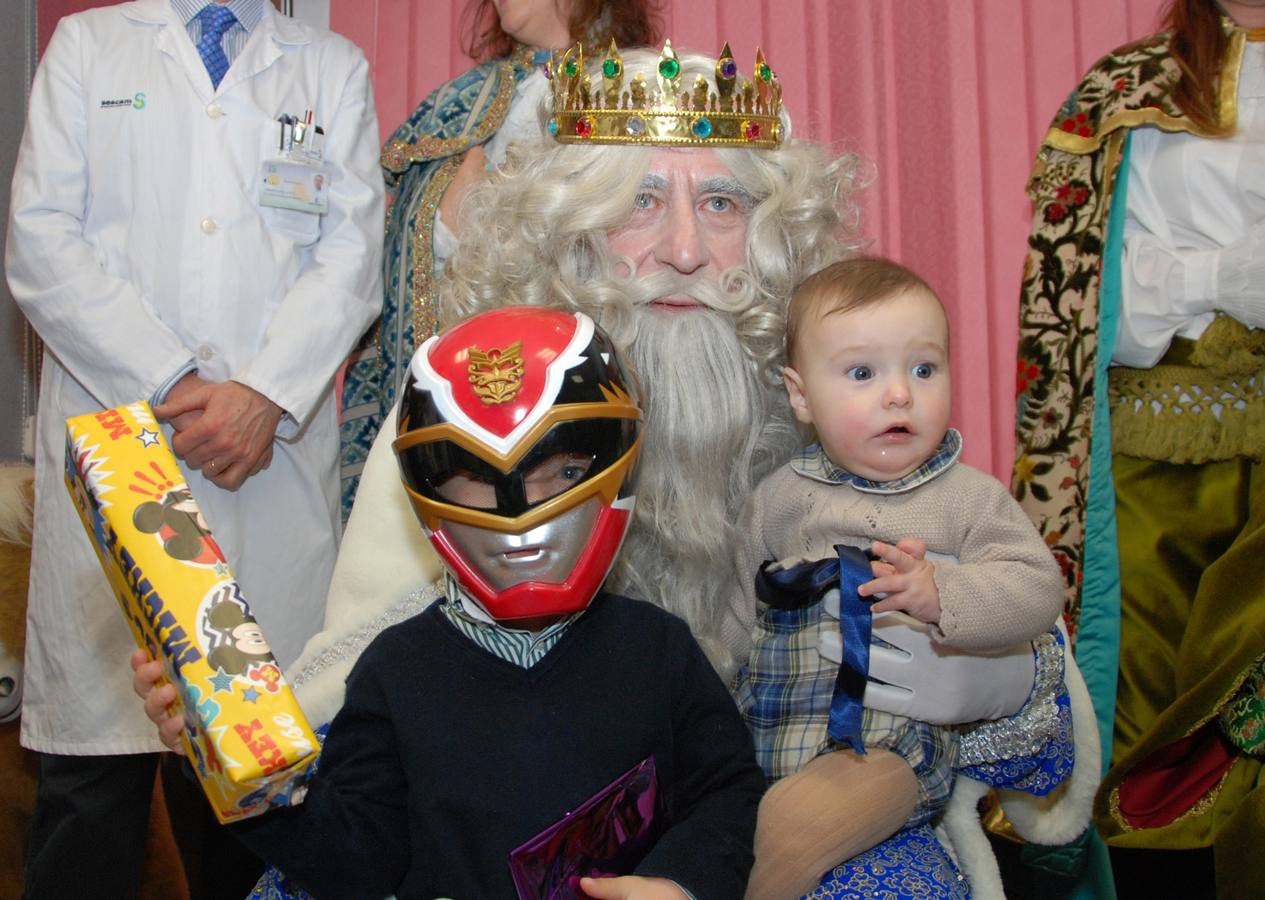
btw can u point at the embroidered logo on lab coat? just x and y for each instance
(136, 101)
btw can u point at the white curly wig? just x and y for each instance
(536, 232)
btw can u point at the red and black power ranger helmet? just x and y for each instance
(518, 437)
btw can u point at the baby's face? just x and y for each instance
(874, 382)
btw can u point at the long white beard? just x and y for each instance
(713, 429)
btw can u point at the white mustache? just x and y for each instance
(649, 288)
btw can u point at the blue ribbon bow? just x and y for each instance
(805, 584)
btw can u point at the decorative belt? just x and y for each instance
(1203, 402)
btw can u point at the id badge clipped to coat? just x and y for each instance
(296, 179)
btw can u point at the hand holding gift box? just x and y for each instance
(244, 732)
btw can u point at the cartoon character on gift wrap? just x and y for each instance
(235, 643)
(179, 524)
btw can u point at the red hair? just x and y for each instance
(1198, 47)
(631, 23)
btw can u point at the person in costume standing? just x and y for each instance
(1141, 427)
(455, 136)
(143, 252)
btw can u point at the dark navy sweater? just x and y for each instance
(444, 758)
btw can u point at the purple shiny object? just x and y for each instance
(728, 68)
(608, 834)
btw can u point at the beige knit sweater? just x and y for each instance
(1005, 587)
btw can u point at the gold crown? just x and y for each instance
(737, 113)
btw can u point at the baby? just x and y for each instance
(868, 352)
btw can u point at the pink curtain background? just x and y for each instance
(948, 98)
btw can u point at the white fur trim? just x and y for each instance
(384, 557)
(1057, 818)
(963, 834)
(1062, 815)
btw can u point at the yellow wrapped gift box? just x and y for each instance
(245, 734)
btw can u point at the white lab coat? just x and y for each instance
(136, 243)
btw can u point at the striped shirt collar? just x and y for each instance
(812, 462)
(249, 13)
(515, 645)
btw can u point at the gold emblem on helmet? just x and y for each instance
(496, 375)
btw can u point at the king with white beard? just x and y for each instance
(683, 255)
(686, 253)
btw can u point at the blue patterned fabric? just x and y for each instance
(785, 694)
(1048, 714)
(910, 864)
(1039, 774)
(249, 14)
(216, 20)
(275, 886)
(454, 117)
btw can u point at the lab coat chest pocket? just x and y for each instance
(303, 228)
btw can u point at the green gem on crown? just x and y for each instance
(738, 113)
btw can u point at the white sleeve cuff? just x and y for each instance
(160, 393)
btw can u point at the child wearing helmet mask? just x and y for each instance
(474, 726)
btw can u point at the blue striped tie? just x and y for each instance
(216, 19)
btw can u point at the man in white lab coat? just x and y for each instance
(147, 251)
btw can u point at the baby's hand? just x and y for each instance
(632, 887)
(907, 580)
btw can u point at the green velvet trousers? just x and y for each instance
(1192, 556)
